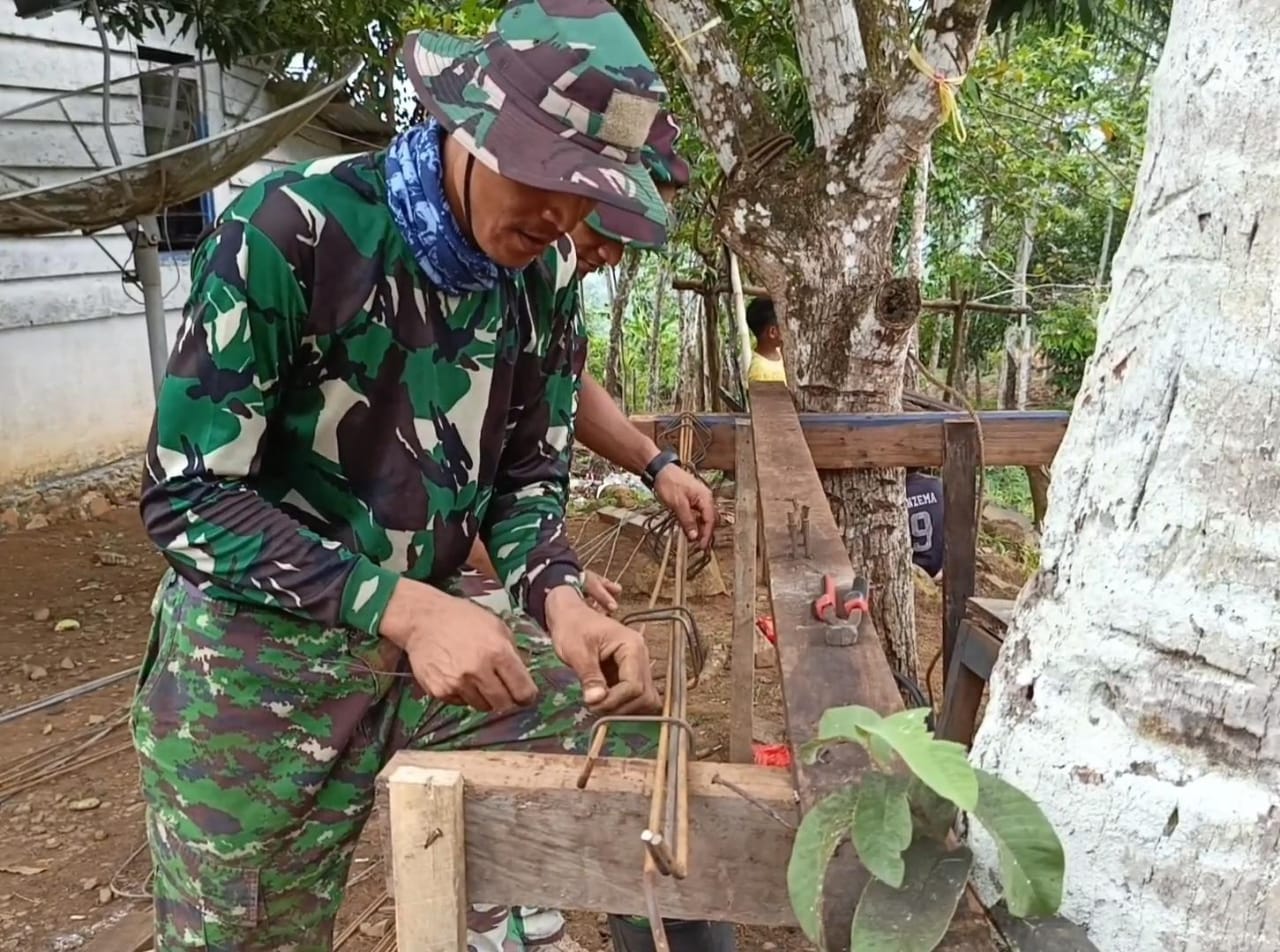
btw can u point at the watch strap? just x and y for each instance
(656, 465)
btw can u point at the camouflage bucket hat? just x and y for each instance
(665, 167)
(559, 95)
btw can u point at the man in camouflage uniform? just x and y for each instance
(376, 366)
(600, 425)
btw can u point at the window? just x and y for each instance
(172, 117)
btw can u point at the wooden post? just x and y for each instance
(711, 318)
(429, 884)
(743, 660)
(960, 529)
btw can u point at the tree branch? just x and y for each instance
(728, 105)
(833, 61)
(884, 38)
(913, 111)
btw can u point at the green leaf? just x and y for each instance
(820, 833)
(943, 765)
(881, 751)
(915, 917)
(882, 825)
(1031, 857)
(849, 723)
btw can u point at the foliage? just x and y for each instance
(898, 822)
(1067, 337)
(1007, 486)
(312, 37)
(1056, 120)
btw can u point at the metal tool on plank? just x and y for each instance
(842, 611)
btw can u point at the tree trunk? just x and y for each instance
(655, 335)
(1015, 368)
(845, 342)
(1133, 697)
(689, 390)
(817, 228)
(617, 314)
(915, 253)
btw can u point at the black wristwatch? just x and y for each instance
(656, 465)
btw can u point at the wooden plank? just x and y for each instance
(872, 440)
(960, 529)
(533, 838)
(742, 671)
(995, 613)
(630, 518)
(428, 858)
(61, 256)
(57, 145)
(965, 680)
(816, 676)
(133, 932)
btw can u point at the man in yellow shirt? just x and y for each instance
(766, 361)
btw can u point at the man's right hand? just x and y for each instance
(459, 652)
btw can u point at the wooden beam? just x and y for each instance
(427, 872)
(750, 290)
(132, 933)
(742, 662)
(959, 530)
(816, 676)
(533, 838)
(883, 440)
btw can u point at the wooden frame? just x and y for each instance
(979, 639)
(742, 660)
(875, 440)
(513, 829)
(517, 829)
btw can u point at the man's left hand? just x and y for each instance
(600, 591)
(610, 659)
(690, 499)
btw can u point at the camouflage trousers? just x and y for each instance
(260, 737)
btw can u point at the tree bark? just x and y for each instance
(845, 321)
(915, 252)
(1134, 695)
(617, 314)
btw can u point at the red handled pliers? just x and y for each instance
(845, 606)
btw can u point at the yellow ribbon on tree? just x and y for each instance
(947, 86)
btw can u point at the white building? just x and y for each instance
(75, 382)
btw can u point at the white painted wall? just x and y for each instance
(74, 375)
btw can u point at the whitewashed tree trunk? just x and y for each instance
(1137, 698)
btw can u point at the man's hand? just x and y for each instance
(690, 499)
(609, 658)
(459, 652)
(601, 591)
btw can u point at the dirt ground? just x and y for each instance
(74, 607)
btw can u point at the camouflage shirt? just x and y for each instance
(330, 422)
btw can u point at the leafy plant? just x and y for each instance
(899, 820)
